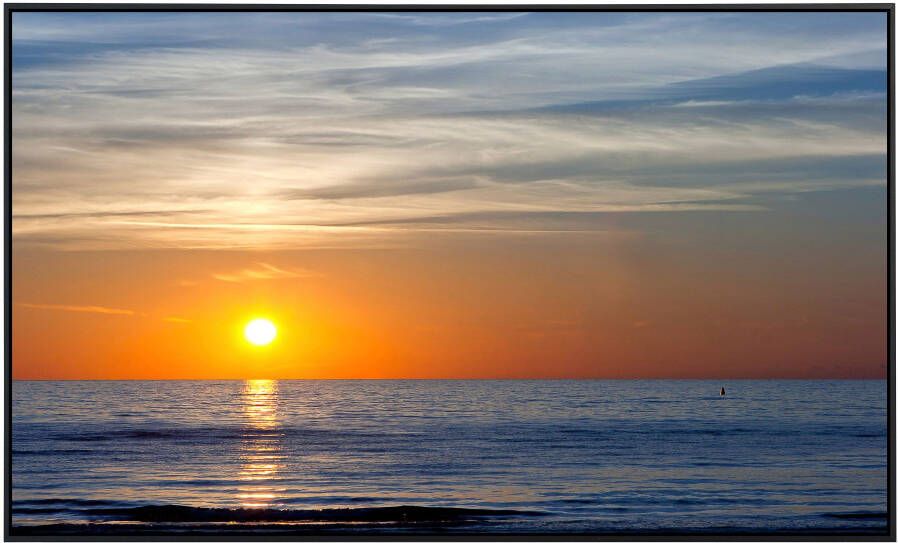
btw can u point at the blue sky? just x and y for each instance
(315, 129)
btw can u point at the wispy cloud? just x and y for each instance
(80, 308)
(268, 137)
(102, 310)
(262, 272)
(177, 320)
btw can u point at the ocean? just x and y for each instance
(438, 457)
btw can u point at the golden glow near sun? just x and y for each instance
(260, 331)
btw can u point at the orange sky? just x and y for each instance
(608, 195)
(573, 307)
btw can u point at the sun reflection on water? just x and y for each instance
(261, 454)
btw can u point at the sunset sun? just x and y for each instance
(260, 331)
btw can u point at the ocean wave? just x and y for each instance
(374, 442)
(215, 433)
(184, 513)
(859, 515)
(64, 501)
(51, 452)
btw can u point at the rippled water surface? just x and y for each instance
(527, 456)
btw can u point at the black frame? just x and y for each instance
(888, 8)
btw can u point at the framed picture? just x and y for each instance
(449, 272)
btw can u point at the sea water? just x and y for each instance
(570, 456)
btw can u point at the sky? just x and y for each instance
(449, 195)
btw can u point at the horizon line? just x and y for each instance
(473, 379)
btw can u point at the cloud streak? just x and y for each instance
(262, 272)
(97, 309)
(80, 308)
(177, 320)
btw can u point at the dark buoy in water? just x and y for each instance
(723, 391)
